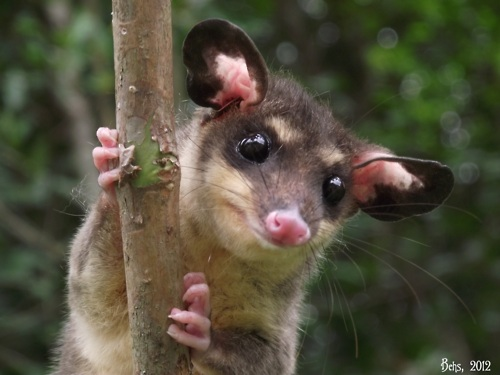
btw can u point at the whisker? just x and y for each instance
(263, 178)
(332, 301)
(248, 199)
(213, 160)
(405, 280)
(356, 265)
(414, 204)
(280, 166)
(375, 108)
(426, 272)
(351, 317)
(462, 211)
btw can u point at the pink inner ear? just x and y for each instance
(378, 172)
(237, 82)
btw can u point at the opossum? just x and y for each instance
(269, 176)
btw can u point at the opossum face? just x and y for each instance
(277, 176)
(277, 171)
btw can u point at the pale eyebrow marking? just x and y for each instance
(286, 133)
(331, 156)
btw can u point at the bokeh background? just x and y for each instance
(421, 77)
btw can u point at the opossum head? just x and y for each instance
(276, 173)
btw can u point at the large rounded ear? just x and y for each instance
(391, 188)
(224, 66)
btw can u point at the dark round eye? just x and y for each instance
(255, 148)
(333, 189)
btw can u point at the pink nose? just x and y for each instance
(286, 227)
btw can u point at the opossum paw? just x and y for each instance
(196, 332)
(106, 158)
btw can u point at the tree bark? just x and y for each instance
(148, 194)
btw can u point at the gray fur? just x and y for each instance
(256, 292)
(256, 303)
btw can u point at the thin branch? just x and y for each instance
(149, 197)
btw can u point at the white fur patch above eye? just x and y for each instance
(286, 133)
(331, 156)
(234, 73)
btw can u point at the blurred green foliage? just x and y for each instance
(422, 78)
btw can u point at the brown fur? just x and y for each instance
(256, 289)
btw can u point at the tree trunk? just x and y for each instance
(148, 195)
